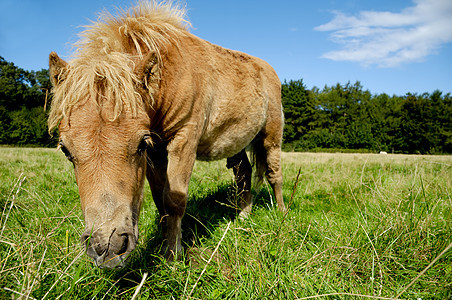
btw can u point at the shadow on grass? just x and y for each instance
(204, 214)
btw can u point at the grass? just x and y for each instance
(359, 226)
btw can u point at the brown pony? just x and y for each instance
(142, 97)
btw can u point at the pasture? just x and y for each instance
(358, 226)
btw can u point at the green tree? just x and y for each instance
(441, 114)
(298, 110)
(415, 125)
(22, 98)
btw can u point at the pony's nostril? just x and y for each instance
(125, 243)
(93, 247)
(86, 239)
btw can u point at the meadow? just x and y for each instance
(359, 226)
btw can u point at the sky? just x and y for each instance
(392, 47)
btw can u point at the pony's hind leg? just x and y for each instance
(274, 175)
(268, 161)
(242, 172)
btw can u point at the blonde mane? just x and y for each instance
(103, 65)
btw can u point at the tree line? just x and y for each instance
(349, 117)
(338, 118)
(23, 119)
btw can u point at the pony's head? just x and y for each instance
(106, 142)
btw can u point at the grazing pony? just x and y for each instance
(143, 97)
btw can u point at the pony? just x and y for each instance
(142, 97)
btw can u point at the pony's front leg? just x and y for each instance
(181, 158)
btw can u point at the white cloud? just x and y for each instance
(390, 39)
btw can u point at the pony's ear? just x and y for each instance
(57, 68)
(147, 67)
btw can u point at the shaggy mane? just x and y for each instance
(102, 67)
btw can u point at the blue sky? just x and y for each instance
(392, 47)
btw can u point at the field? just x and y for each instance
(359, 226)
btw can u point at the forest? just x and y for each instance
(350, 117)
(341, 118)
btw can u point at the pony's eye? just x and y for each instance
(144, 144)
(66, 151)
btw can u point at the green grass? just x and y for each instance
(359, 226)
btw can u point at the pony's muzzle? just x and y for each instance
(109, 251)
